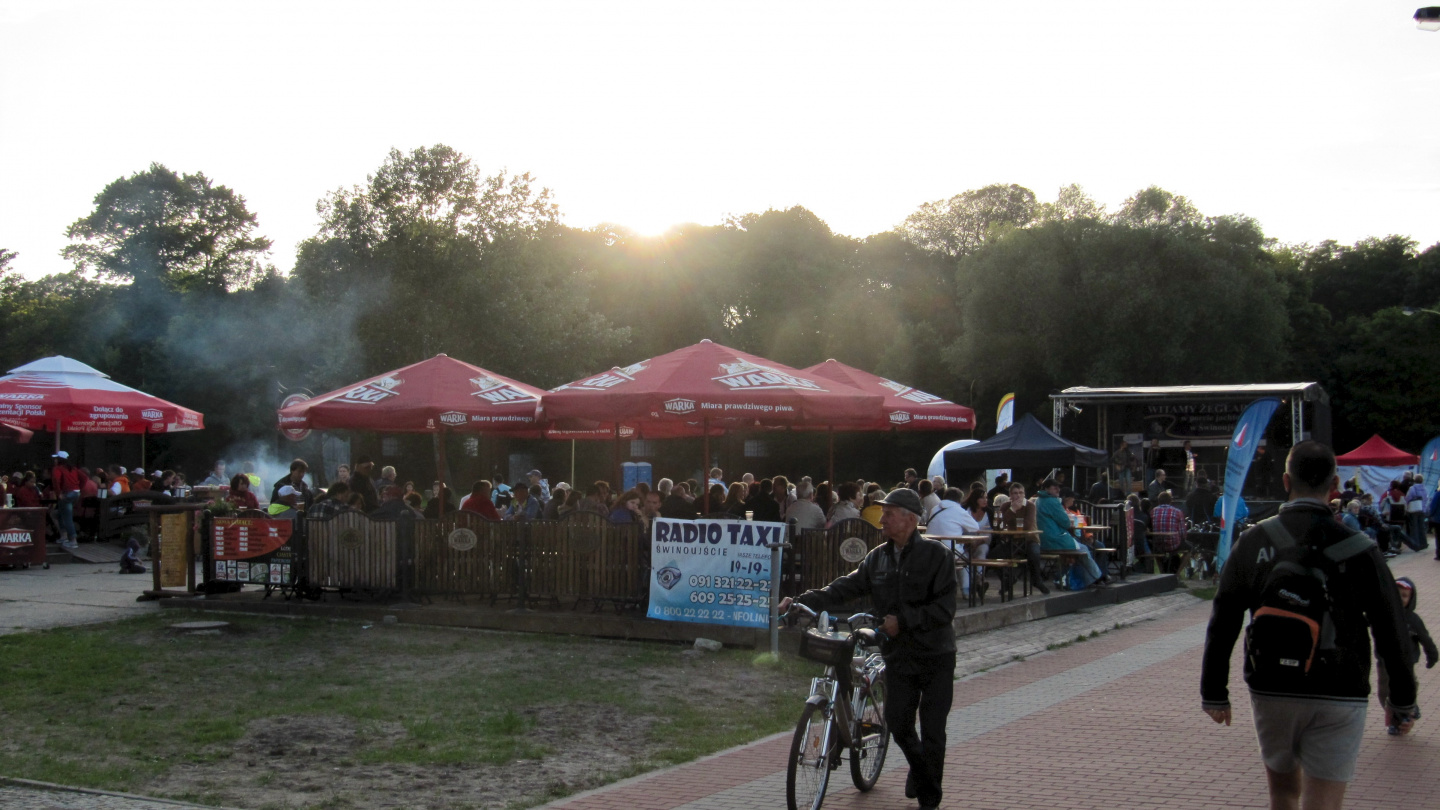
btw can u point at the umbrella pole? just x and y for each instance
(615, 459)
(832, 461)
(705, 465)
(572, 462)
(57, 437)
(440, 470)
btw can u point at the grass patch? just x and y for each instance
(122, 706)
(1207, 594)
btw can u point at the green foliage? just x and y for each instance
(973, 296)
(182, 232)
(1096, 303)
(966, 221)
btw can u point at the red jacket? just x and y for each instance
(65, 479)
(483, 507)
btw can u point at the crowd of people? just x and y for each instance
(68, 488)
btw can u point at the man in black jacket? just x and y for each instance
(1309, 723)
(911, 583)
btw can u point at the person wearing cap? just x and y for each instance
(296, 481)
(284, 500)
(911, 583)
(66, 479)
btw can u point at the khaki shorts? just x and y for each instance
(1321, 736)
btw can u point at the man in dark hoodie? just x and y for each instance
(1419, 638)
(1309, 722)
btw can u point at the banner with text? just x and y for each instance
(712, 571)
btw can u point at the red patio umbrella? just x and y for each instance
(904, 408)
(61, 394)
(713, 386)
(441, 393)
(432, 396)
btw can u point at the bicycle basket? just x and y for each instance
(832, 649)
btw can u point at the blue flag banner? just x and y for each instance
(1248, 432)
(1430, 464)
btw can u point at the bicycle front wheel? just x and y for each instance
(808, 773)
(867, 757)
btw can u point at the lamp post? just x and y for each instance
(1410, 311)
(1428, 18)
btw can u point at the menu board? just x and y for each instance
(174, 549)
(253, 550)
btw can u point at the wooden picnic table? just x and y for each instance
(970, 541)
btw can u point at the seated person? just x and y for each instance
(526, 505)
(130, 560)
(119, 484)
(1056, 534)
(240, 495)
(432, 509)
(1168, 524)
(28, 495)
(678, 507)
(1018, 514)
(335, 501)
(393, 506)
(951, 519)
(479, 501)
(283, 504)
(627, 508)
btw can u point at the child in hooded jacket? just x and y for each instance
(1419, 639)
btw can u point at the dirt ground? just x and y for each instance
(331, 761)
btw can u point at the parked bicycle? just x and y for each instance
(845, 710)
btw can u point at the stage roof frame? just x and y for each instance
(1307, 391)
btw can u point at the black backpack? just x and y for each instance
(1293, 627)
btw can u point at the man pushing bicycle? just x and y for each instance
(911, 582)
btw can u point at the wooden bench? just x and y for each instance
(1166, 562)
(1007, 580)
(1068, 558)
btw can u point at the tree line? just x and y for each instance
(990, 291)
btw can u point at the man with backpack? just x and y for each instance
(1312, 587)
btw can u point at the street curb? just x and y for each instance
(606, 788)
(51, 786)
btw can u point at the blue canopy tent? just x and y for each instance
(1027, 443)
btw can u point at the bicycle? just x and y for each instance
(846, 709)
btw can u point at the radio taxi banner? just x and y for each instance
(712, 571)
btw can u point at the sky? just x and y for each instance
(1318, 119)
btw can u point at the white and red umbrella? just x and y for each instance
(60, 394)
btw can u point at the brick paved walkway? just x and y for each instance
(1110, 723)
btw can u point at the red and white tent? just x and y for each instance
(64, 395)
(1377, 462)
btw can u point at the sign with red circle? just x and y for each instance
(294, 434)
